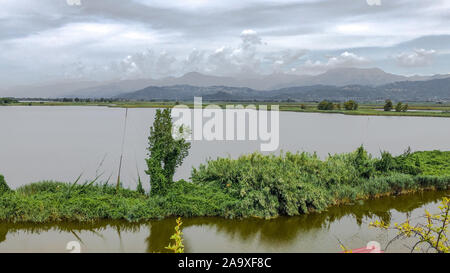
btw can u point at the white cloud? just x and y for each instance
(345, 59)
(285, 60)
(250, 38)
(419, 57)
(228, 60)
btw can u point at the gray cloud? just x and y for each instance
(419, 57)
(47, 39)
(345, 59)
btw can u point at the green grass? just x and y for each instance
(253, 185)
(55, 201)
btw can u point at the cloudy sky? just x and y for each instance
(54, 40)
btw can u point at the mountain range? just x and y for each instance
(334, 79)
(427, 90)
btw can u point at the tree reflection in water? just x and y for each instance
(279, 231)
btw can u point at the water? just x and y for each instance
(60, 143)
(318, 232)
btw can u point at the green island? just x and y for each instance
(417, 109)
(254, 185)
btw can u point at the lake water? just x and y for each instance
(60, 143)
(318, 232)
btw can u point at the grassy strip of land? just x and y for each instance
(254, 185)
(364, 109)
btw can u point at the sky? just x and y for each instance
(102, 40)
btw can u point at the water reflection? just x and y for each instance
(218, 234)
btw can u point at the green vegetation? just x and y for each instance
(166, 153)
(420, 109)
(325, 105)
(53, 201)
(388, 106)
(350, 105)
(7, 101)
(400, 107)
(252, 185)
(3, 186)
(293, 184)
(178, 247)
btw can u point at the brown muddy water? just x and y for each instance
(60, 143)
(317, 232)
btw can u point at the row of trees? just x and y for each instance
(87, 100)
(13, 100)
(327, 105)
(352, 105)
(399, 107)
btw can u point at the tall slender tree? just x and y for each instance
(165, 152)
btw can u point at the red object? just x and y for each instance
(372, 247)
(366, 250)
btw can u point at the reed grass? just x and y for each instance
(254, 185)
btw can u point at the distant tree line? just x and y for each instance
(81, 100)
(87, 100)
(328, 105)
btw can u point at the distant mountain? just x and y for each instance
(119, 87)
(334, 77)
(188, 92)
(111, 89)
(352, 76)
(431, 90)
(438, 89)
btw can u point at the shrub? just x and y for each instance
(3, 186)
(325, 105)
(405, 107)
(363, 163)
(388, 105)
(350, 105)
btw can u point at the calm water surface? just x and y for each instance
(60, 143)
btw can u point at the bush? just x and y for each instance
(253, 185)
(350, 105)
(293, 184)
(3, 186)
(388, 105)
(325, 105)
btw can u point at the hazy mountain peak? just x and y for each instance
(333, 77)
